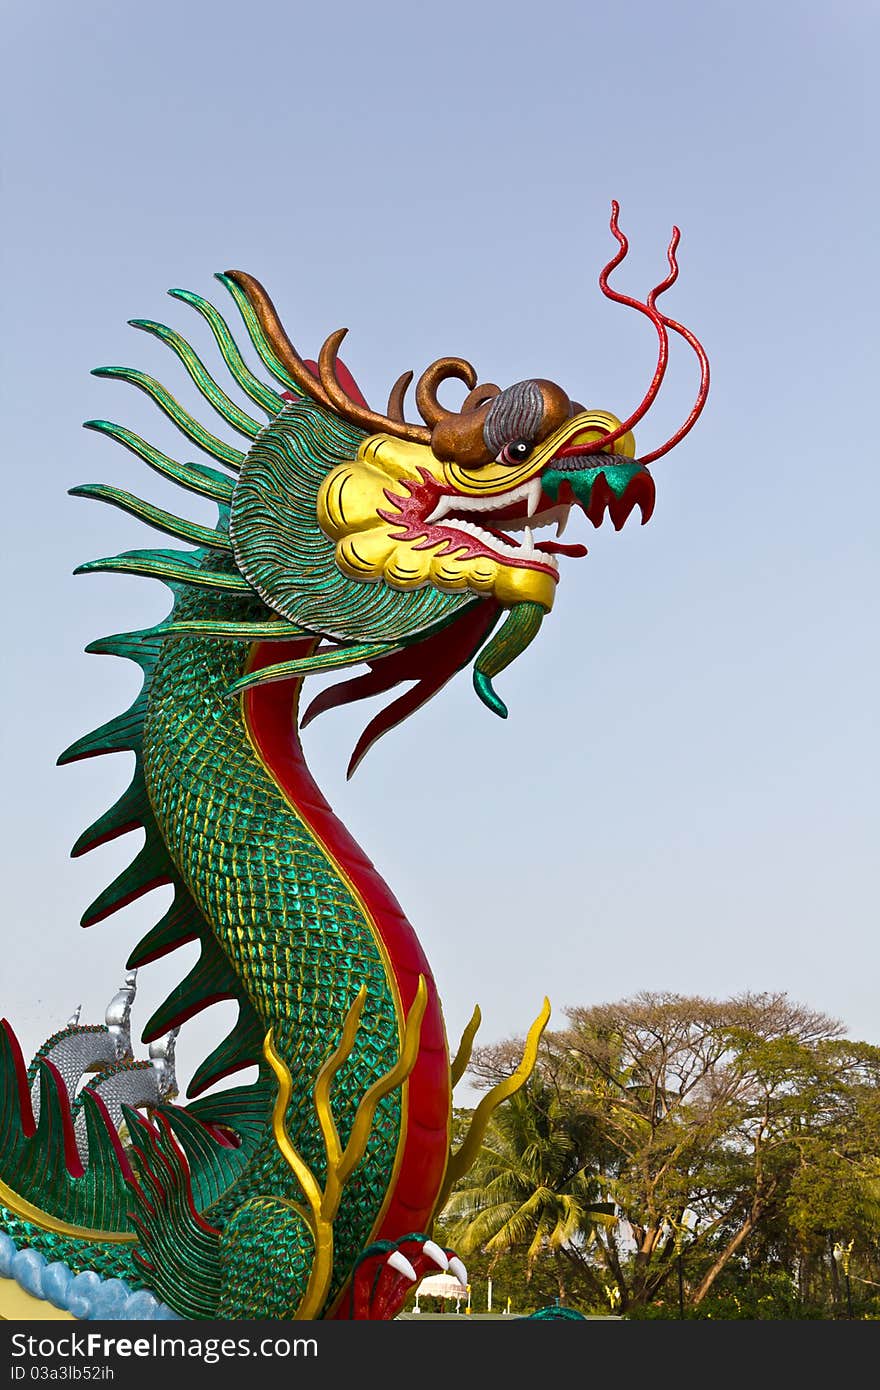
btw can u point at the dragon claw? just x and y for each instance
(398, 1261)
(433, 1252)
(457, 1268)
(386, 1273)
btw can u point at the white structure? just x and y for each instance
(442, 1286)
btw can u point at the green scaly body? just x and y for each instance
(281, 929)
(300, 1194)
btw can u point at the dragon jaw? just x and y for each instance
(398, 514)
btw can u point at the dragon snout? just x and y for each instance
(615, 486)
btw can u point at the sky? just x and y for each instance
(683, 797)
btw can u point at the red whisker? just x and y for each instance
(673, 271)
(702, 393)
(650, 312)
(661, 322)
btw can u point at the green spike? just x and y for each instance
(175, 412)
(150, 868)
(307, 665)
(273, 630)
(168, 565)
(242, 1108)
(122, 734)
(107, 1190)
(10, 1097)
(195, 477)
(128, 813)
(231, 413)
(260, 394)
(255, 332)
(154, 516)
(183, 1254)
(210, 979)
(48, 1141)
(181, 923)
(242, 1047)
(213, 1166)
(140, 647)
(134, 1123)
(99, 1199)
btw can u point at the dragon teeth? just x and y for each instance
(524, 551)
(529, 492)
(504, 545)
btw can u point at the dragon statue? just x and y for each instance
(344, 538)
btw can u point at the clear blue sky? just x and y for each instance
(685, 794)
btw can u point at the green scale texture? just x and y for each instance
(250, 1280)
(297, 940)
(110, 1260)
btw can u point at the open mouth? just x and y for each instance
(504, 526)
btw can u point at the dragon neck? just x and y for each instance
(270, 715)
(303, 920)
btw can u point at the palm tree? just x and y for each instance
(533, 1189)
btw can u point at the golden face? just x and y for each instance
(398, 513)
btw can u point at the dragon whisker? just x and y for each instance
(195, 477)
(206, 384)
(224, 453)
(154, 516)
(262, 395)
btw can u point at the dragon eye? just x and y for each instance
(516, 451)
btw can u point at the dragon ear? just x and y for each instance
(345, 379)
(519, 630)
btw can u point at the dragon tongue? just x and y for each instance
(577, 552)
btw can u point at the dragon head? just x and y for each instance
(462, 512)
(435, 518)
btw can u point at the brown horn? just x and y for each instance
(327, 390)
(356, 414)
(444, 369)
(396, 398)
(479, 396)
(282, 347)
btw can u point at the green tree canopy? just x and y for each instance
(717, 1133)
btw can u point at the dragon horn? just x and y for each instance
(276, 337)
(328, 390)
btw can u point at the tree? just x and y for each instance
(798, 1153)
(711, 1125)
(532, 1191)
